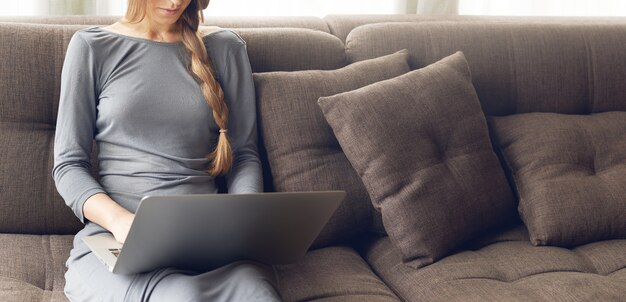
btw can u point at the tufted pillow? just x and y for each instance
(302, 151)
(421, 146)
(570, 174)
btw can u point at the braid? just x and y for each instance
(221, 158)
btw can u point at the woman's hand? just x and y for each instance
(103, 210)
(121, 225)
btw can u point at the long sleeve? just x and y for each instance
(245, 175)
(75, 127)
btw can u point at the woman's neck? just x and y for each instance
(154, 31)
(165, 32)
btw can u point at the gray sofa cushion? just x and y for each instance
(507, 267)
(570, 174)
(302, 150)
(32, 267)
(289, 49)
(421, 146)
(342, 25)
(332, 274)
(562, 67)
(29, 94)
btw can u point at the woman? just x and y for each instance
(167, 118)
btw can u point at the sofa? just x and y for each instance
(541, 84)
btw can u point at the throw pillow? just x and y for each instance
(420, 144)
(570, 174)
(302, 151)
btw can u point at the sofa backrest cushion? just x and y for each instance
(303, 153)
(516, 67)
(32, 58)
(342, 25)
(303, 22)
(289, 49)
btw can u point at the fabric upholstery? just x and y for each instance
(507, 268)
(304, 22)
(32, 267)
(332, 274)
(420, 144)
(342, 25)
(29, 90)
(569, 67)
(570, 174)
(289, 49)
(302, 150)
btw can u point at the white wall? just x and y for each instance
(543, 7)
(23, 8)
(45, 7)
(318, 8)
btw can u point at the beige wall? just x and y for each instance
(79, 7)
(432, 7)
(411, 6)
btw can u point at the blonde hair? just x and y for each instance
(200, 67)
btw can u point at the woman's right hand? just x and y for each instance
(103, 210)
(121, 225)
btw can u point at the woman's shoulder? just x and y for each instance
(82, 42)
(92, 37)
(89, 33)
(215, 36)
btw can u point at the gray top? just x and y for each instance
(146, 112)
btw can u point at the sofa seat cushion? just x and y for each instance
(507, 267)
(32, 267)
(332, 274)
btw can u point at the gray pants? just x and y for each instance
(87, 279)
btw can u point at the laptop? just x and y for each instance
(201, 232)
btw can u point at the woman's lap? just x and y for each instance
(88, 279)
